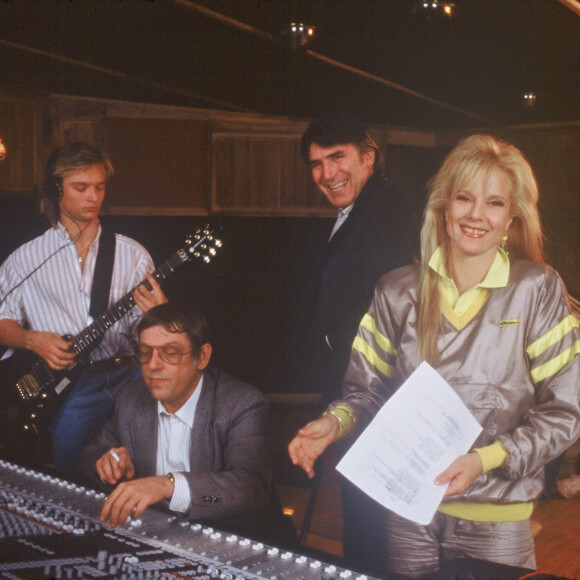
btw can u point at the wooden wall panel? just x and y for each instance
(262, 174)
(18, 133)
(297, 188)
(555, 160)
(161, 166)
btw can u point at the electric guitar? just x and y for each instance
(42, 388)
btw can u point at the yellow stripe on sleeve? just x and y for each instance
(370, 354)
(552, 337)
(556, 364)
(369, 323)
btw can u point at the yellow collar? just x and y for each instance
(460, 310)
(497, 276)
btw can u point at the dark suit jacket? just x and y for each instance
(379, 234)
(229, 449)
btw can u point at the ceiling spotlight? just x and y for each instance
(433, 7)
(529, 99)
(300, 34)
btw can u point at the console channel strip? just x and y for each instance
(49, 528)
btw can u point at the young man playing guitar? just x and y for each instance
(46, 293)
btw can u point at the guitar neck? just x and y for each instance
(91, 335)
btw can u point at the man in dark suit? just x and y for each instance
(186, 435)
(376, 231)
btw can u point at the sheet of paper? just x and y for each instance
(416, 435)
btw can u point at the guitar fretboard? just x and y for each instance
(89, 337)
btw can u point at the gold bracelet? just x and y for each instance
(346, 420)
(29, 341)
(341, 407)
(340, 433)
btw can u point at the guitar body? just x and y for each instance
(41, 390)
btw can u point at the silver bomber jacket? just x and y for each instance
(515, 365)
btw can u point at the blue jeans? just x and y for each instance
(84, 412)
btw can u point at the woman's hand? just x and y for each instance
(461, 473)
(311, 441)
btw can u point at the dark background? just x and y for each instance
(469, 70)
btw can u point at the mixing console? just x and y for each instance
(49, 528)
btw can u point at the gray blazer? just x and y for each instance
(230, 478)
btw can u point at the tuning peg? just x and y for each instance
(206, 259)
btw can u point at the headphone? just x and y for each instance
(52, 183)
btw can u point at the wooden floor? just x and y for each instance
(557, 543)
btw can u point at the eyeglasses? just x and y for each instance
(167, 353)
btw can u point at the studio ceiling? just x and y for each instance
(390, 61)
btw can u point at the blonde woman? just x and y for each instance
(484, 309)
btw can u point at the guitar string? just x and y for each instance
(103, 322)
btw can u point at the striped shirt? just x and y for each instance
(173, 447)
(42, 286)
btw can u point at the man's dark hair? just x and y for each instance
(66, 161)
(177, 319)
(339, 129)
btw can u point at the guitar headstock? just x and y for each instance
(202, 244)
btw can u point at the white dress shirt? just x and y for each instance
(342, 215)
(42, 284)
(173, 446)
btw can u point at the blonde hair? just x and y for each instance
(64, 162)
(471, 158)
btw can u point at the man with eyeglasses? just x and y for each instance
(186, 435)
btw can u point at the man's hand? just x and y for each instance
(111, 469)
(147, 299)
(311, 441)
(52, 348)
(132, 498)
(461, 473)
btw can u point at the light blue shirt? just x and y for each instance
(342, 215)
(173, 446)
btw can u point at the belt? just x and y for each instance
(108, 364)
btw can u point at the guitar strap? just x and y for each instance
(103, 273)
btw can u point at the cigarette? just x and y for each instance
(114, 456)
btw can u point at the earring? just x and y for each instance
(504, 244)
(59, 192)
